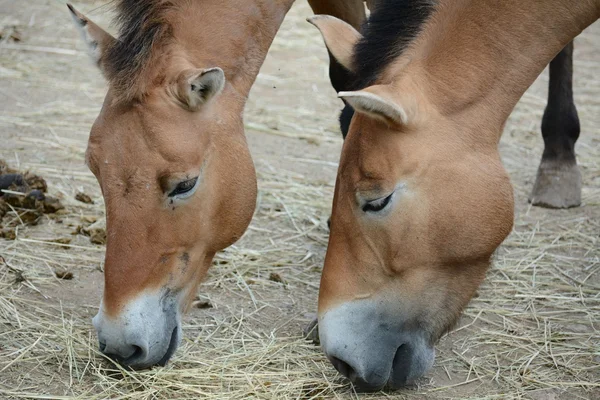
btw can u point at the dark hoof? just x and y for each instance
(557, 185)
(311, 332)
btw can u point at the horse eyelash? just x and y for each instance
(184, 187)
(377, 205)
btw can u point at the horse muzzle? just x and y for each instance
(369, 342)
(146, 332)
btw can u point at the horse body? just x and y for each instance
(422, 199)
(170, 155)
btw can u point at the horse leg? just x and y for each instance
(351, 11)
(558, 181)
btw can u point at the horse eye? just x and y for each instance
(184, 187)
(378, 204)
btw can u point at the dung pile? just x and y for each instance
(94, 228)
(23, 200)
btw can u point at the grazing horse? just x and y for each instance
(170, 155)
(421, 199)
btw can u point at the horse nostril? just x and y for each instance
(359, 383)
(401, 365)
(125, 355)
(343, 368)
(138, 353)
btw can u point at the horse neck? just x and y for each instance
(233, 35)
(477, 57)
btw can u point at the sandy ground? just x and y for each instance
(532, 332)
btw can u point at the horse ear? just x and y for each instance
(198, 86)
(339, 36)
(378, 101)
(96, 38)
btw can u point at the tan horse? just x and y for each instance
(421, 199)
(170, 155)
(169, 152)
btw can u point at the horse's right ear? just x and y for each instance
(339, 36)
(96, 38)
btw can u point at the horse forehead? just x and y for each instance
(142, 133)
(371, 153)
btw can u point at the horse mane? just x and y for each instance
(386, 34)
(389, 30)
(142, 27)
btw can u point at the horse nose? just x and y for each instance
(365, 377)
(373, 347)
(126, 352)
(144, 333)
(392, 369)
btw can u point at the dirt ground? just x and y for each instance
(532, 332)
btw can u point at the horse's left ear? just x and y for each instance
(96, 38)
(339, 36)
(197, 87)
(379, 101)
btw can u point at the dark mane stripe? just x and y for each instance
(389, 30)
(141, 25)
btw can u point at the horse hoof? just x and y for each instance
(557, 185)
(311, 332)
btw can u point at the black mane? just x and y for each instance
(141, 25)
(388, 31)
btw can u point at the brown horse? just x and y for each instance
(422, 199)
(170, 155)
